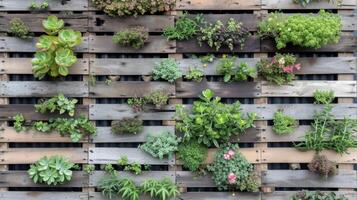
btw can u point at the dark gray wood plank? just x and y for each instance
(221, 5)
(220, 196)
(14, 195)
(187, 179)
(123, 66)
(282, 4)
(283, 195)
(249, 21)
(55, 5)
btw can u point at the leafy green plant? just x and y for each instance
(280, 70)
(131, 167)
(231, 71)
(19, 122)
(113, 187)
(55, 54)
(218, 35)
(168, 70)
(184, 29)
(323, 166)
(43, 127)
(207, 58)
(305, 3)
(89, 169)
(230, 170)
(51, 171)
(159, 146)
(133, 7)
(195, 74)
(158, 98)
(160, 189)
(19, 29)
(127, 126)
(211, 122)
(109, 169)
(324, 97)
(137, 103)
(314, 195)
(134, 37)
(192, 154)
(310, 31)
(283, 124)
(57, 103)
(39, 6)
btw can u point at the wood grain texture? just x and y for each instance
(283, 195)
(13, 195)
(222, 5)
(249, 21)
(23, 5)
(286, 4)
(123, 66)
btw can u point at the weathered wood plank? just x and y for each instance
(23, 66)
(220, 196)
(225, 90)
(21, 179)
(307, 88)
(14, 195)
(268, 135)
(126, 89)
(100, 112)
(221, 5)
(286, 4)
(155, 44)
(251, 154)
(327, 65)
(43, 88)
(292, 155)
(187, 179)
(112, 155)
(23, 5)
(307, 179)
(31, 155)
(249, 21)
(7, 112)
(283, 195)
(123, 66)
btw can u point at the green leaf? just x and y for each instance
(64, 57)
(63, 71)
(46, 42)
(227, 77)
(70, 38)
(52, 25)
(208, 94)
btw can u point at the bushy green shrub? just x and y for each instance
(167, 70)
(19, 122)
(184, 29)
(127, 126)
(19, 29)
(133, 37)
(160, 189)
(58, 103)
(324, 97)
(283, 124)
(312, 195)
(195, 74)
(233, 72)
(192, 154)
(157, 98)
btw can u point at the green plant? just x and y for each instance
(127, 126)
(109, 169)
(323, 166)
(218, 34)
(211, 122)
(19, 122)
(43, 127)
(133, 7)
(19, 29)
(157, 98)
(89, 169)
(134, 37)
(311, 31)
(57, 103)
(113, 187)
(192, 154)
(304, 3)
(280, 70)
(131, 167)
(159, 146)
(283, 124)
(317, 195)
(324, 97)
(230, 170)
(160, 189)
(184, 29)
(39, 6)
(55, 54)
(229, 69)
(137, 104)
(207, 58)
(52, 171)
(167, 69)
(195, 74)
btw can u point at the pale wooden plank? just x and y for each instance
(251, 154)
(187, 179)
(99, 196)
(287, 4)
(14, 195)
(283, 195)
(221, 5)
(55, 5)
(123, 66)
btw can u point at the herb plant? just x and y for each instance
(231, 71)
(321, 165)
(159, 146)
(324, 97)
(19, 122)
(311, 195)
(167, 70)
(160, 189)
(207, 58)
(310, 31)
(57, 103)
(280, 70)
(134, 37)
(192, 154)
(113, 187)
(283, 124)
(19, 29)
(223, 35)
(89, 169)
(55, 54)
(131, 167)
(184, 29)
(305, 3)
(211, 122)
(137, 103)
(230, 170)
(51, 171)
(127, 126)
(195, 74)
(157, 98)
(39, 6)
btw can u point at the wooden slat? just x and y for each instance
(286, 4)
(23, 66)
(124, 66)
(283, 195)
(307, 179)
(221, 5)
(126, 89)
(112, 155)
(187, 179)
(251, 154)
(23, 5)
(220, 196)
(155, 44)
(249, 21)
(31, 155)
(13, 195)
(268, 135)
(43, 88)
(327, 65)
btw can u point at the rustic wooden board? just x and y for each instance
(307, 179)
(31, 155)
(14, 44)
(43, 88)
(23, 5)
(21, 179)
(120, 111)
(286, 4)
(251, 154)
(112, 155)
(123, 66)
(7, 112)
(78, 22)
(13, 195)
(104, 134)
(307, 88)
(220, 196)
(23, 66)
(126, 89)
(214, 5)
(157, 175)
(155, 44)
(187, 179)
(105, 23)
(224, 90)
(327, 65)
(268, 135)
(283, 195)
(292, 155)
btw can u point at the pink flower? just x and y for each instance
(232, 178)
(288, 69)
(298, 66)
(226, 156)
(231, 153)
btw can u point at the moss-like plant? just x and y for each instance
(133, 37)
(167, 70)
(322, 166)
(157, 98)
(184, 29)
(127, 126)
(192, 154)
(19, 29)
(283, 124)
(39, 6)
